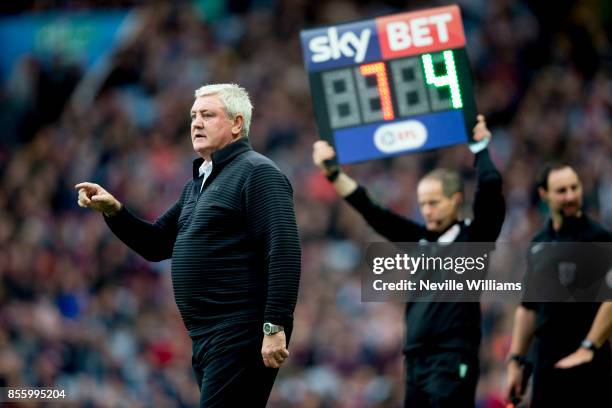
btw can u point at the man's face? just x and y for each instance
(438, 210)
(564, 194)
(211, 128)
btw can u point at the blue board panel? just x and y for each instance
(417, 133)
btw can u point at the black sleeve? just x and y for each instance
(534, 258)
(528, 288)
(271, 222)
(154, 242)
(392, 226)
(489, 205)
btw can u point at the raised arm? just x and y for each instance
(489, 205)
(154, 242)
(392, 226)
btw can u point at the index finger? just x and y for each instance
(86, 185)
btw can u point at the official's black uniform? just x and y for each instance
(561, 327)
(442, 337)
(235, 263)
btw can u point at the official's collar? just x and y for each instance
(451, 233)
(223, 156)
(570, 225)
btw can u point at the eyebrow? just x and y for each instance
(574, 185)
(201, 110)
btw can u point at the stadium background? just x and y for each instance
(80, 311)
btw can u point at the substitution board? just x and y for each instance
(391, 85)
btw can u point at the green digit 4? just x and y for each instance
(449, 79)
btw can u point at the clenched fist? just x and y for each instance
(274, 350)
(321, 152)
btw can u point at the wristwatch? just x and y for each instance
(516, 357)
(332, 173)
(589, 345)
(270, 329)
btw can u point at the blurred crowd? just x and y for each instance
(80, 311)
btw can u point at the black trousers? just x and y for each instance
(588, 385)
(441, 379)
(229, 368)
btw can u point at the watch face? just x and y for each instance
(267, 328)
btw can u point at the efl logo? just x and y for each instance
(400, 136)
(420, 32)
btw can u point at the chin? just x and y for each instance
(199, 148)
(432, 227)
(570, 212)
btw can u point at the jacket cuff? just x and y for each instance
(479, 146)
(286, 322)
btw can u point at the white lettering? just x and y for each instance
(361, 46)
(334, 46)
(441, 20)
(397, 33)
(420, 32)
(320, 50)
(402, 36)
(332, 33)
(416, 262)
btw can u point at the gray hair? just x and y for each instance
(450, 179)
(235, 99)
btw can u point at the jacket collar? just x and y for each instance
(451, 233)
(570, 227)
(223, 156)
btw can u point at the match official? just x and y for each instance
(572, 362)
(442, 339)
(235, 250)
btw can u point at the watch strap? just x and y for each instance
(521, 360)
(588, 344)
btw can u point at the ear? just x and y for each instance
(457, 198)
(238, 125)
(543, 194)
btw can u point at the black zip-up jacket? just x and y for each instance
(442, 325)
(234, 246)
(561, 326)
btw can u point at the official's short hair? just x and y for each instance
(235, 99)
(542, 180)
(451, 180)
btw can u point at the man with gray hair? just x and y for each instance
(233, 239)
(442, 339)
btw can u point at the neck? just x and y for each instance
(208, 155)
(450, 224)
(558, 219)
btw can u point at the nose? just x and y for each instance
(198, 122)
(570, 196)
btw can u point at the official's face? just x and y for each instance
(564, 194)
(211, 128)
(438, 210)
